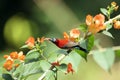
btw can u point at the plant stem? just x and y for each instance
(56, 75)
(103, 49)
(111, 20)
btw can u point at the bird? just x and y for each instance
(67, 44)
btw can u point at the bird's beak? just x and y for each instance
(47, 39)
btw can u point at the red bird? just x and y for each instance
(66, 44)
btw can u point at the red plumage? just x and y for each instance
(61, 42)
(66, 44)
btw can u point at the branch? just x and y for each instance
(43, 75)
(103, 49)
(111, 20)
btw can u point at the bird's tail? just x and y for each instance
(81, 48)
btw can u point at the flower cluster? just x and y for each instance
(74, 34)
(13, 60)
(114, 6)
(95, 24)
(30, 42)
(116, 24)
(69, 68)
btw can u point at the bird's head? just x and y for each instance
(54, 40)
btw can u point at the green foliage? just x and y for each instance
(82, 54)
(32, 55)
(7, 77)
(108, 34)
(108, 26)
(83, 27)
(26, 70)
(104, 11)
(86, 44)
(90, 42)
(117, 53)
(74, 58)
(50, 75)
(62, 67)
(105, 59)
(44, 65)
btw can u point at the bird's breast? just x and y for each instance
(65, 43)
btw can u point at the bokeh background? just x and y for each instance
(20, 19)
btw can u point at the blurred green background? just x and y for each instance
(20, 19)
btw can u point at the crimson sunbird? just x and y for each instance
(67, 44)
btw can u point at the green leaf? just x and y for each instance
(49, 75)
(45, 65)
(18, 72)
(117, 53)
(90, 42)
(7, 77)
(62, 67)
(43, 45)
(54, 55)
(73, 58)
(32, 51)
(104, 11)
(83, 44)
(108, 34)
(24, 46)
(81, 53)
(25, 70)
(104, 59)
(83, 27)
(32, 68)
(33, 55)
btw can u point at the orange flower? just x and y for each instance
(113, 4)
(99, 19)
(89, 19)
(116, 8)
(69, 68)
(10, 60)
(95, 24)
(74, 33)
(6, 56)
(30, 42)
(14, 55)
(116, 24)
(41, 40)
(21, 56)
(8, 64)
(66, 36)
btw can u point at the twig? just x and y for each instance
(103, 49)
(111, 20)
(43, 75)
